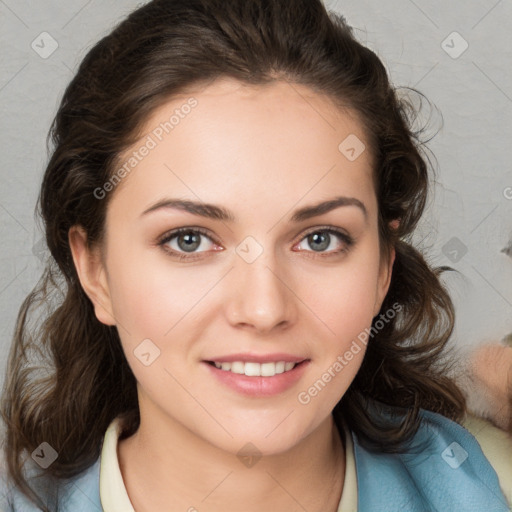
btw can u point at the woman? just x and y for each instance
(244, 325)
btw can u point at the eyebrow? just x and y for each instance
(212, 211)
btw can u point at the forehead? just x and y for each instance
(226, 141)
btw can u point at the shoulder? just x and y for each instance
(442, 468)
(77, 494)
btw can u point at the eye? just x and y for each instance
(321, 239)
(183, 243)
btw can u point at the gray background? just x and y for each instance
(469, 220)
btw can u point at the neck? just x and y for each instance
(164, 463)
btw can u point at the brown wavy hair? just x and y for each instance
(80, 380)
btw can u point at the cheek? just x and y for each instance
(137, 300)
(153, 298)
(346, 313)
(344, 298)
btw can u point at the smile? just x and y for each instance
(252, 369)
(257, 379)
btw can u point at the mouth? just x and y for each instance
(257, 380)
(253, 369)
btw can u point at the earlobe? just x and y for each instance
(92, 275)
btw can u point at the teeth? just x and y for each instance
(256, 369)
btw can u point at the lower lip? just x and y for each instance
(259, 386)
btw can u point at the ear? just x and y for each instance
(384, 280)
(394, 224)
(92, 274)
(385, 272)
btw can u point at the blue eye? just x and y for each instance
(322, 238)
(189, 240)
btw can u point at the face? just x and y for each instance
(263, 275)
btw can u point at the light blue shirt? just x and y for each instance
(443, 469)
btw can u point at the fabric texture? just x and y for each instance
(443, 468)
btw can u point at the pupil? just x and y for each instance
(316, 238)
(190, 239)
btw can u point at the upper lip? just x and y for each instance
(258, 358)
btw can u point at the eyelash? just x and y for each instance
(345, 238)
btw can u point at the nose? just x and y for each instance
(260, 296)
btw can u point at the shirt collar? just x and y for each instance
(114, 497)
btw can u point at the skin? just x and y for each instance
(261, 152)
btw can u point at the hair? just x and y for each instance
(82, 380)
